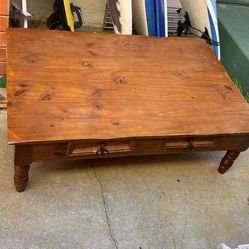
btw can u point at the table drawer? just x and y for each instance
(100, 148)
(136, 146)
(188, 144)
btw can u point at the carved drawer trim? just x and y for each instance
(101, 148)
(188, 144)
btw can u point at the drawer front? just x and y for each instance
(137, 146)
(100, 148)
(188, 144)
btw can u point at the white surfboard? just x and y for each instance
(213, 21)
(139, 17)
(202, 13)
(198, 13)
(121, 11)
(161, 18)
(150, 17)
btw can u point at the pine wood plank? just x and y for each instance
(3, 42)
(4, 23)
(74, 86)
(2, 68)
(4, 7)
(2, 54)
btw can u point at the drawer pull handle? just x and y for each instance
(99, 149)
(102, 151)
(190, 145)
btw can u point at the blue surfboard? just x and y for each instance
(213, 21)
(161, 18)
(143, 15)
(150, 16)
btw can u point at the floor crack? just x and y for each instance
(105, 208)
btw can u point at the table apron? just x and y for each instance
(73, 150)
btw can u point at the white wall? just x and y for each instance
(174, 3)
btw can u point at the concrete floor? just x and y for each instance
(162, 202)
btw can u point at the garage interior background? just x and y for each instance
(93, 10)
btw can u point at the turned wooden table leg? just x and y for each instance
(227, 161)
(23, 159)
(21, 177)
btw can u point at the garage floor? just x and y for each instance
(160, 202)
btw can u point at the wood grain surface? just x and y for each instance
(4, 22)
(73, 86)
(2, 54)
(4, 7)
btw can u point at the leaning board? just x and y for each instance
(202, 13)
(144, 17)
(122, 16)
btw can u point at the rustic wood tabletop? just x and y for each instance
(65, 87)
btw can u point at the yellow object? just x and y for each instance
(64, 16)
(69, 14)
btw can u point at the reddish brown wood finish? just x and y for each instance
(96, 86)
(2, 54)
(21, 177)
(4, 7)
(227, 161)
(23, 158)
(3, 38)
(4, 22)
(85, 95)
(2, 67)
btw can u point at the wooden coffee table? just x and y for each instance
(85, 95)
